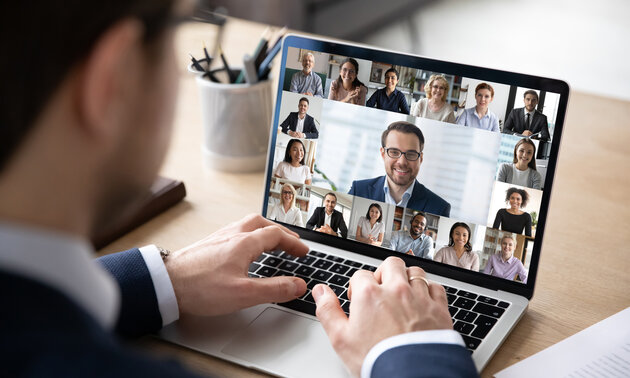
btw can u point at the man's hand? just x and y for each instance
(210, 276)
(527, 133)
(384, 304)
(326, 229)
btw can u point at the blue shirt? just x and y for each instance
(488, 122)
(396, 102)
(312, 83)
(405, 198)
(403, 242)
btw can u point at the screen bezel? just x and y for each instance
(434, 65)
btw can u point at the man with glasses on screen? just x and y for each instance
(402, 144)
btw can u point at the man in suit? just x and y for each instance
(401, 149)
(299, 124)
(84, 140)
(328, 220)
(528, 120)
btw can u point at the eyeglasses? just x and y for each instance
(438, 87)
(410, 155)
(350, 71)
(287, 192)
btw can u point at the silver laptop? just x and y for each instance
(469, 181)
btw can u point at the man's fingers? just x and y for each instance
(391, 270)
(274, 289)
(437, 293)
(329, 313)
(269, 239)
(417, 278)
(360, 279)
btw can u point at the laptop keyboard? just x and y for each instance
(473, 315)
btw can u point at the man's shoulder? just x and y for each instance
(432, 202)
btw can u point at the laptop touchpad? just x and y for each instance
(284, 343)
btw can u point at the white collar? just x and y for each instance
(63, 262)
(405, 197)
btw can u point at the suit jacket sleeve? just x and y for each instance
(310, 130)
(139, 312)
(343, 229)
(508, 128)
(286, 124)
(424, 360)
(312, 222)
(352, 190)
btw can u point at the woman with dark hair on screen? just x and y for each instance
(286, 211)
(522, 171)
(459, 251)
(347, 87)
(370, 229)
(513, 219)
(293, 168)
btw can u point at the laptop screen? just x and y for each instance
(448, 163)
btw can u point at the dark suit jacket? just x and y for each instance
(515, 123)
(45, 333)
(425, 360)
(421, 198)
(309, 125)
(336, 221)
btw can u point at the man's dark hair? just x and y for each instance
(392, 70)
(522, 192)
(451, 242)
(43, 40)
(403, 127)
(331, 194)
(530, 92)
(418, 214)
(303, 99)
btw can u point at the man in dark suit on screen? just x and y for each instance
(299, 124)
(328, 220)
(81, 143)
(528, 120)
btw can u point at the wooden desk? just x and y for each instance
(583, 276)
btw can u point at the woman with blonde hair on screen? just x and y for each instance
(285, 211)
(435, 105)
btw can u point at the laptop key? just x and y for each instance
(317, 254)
(334, 258)
(304, 271)
(451, 298)
(346, 307)
(487, 300)
(467, 294)
(453, 310)
(464, 303)
(253, 267)
(322, 264)
(503, 304)
(369, 267)
(275, 253)
(484, 325)
(306, 260)
(266, 271)
(309, 297)
(272, 261)
(252, 275)
(311, 284)
(321, 275)
(288, 265)
(485, 309)
(283, 273)
(337, 289)
(351, 272)
(287, 256)
(353, 264)
(466, 316)
(339, 280)
(450, 290)
(344, 296)
(300, 305)
(471, 342)
(261, 258)
(463, 327)
(339, 269)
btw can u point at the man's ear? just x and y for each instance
(108, 70)
(383, 152)
(421, 157)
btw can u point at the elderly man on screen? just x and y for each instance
(306, 81)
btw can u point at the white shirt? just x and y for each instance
(287, 171)
(405, 198)
(66, 263)
(519, 177)
(367, 230)
(293, 216)
(300, 124)
(327, 218)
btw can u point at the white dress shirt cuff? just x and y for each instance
(167, 302)
(442, 336)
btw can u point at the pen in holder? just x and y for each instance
(236, 120)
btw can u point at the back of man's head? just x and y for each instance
(42, 41)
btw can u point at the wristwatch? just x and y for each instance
(164, 253)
